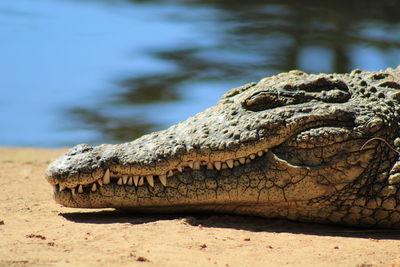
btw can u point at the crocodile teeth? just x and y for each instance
(141, 181)
(190, 164)
(136, 180)
(229, 162)
(163, 179)
(196, 165)
(150, 180)
(217, 165)
(124, 178)
(61, 188)
(73, 191)
(106, 177)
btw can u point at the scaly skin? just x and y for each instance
(318, 148)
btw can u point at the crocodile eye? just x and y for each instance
(263, 100)
(317, 88)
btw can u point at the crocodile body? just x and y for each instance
(316, 148)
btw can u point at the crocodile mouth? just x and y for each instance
(112, 178)
(316, 132)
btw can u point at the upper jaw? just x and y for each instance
(164, 153)
(99, 164)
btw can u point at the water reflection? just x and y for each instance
(249, 40)
(112, 128)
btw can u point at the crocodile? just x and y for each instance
(317, 148)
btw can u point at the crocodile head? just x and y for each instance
(271, 148)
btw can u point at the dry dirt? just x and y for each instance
(35, 231)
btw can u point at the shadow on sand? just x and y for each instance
(248, 223)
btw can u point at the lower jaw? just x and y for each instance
(283, 210)
(164, 207)
(151, 204)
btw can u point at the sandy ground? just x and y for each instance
(35, 231)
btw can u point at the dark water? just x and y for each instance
(99, 71)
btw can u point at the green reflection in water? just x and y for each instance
(112, 129)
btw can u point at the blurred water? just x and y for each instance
(99, 71)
